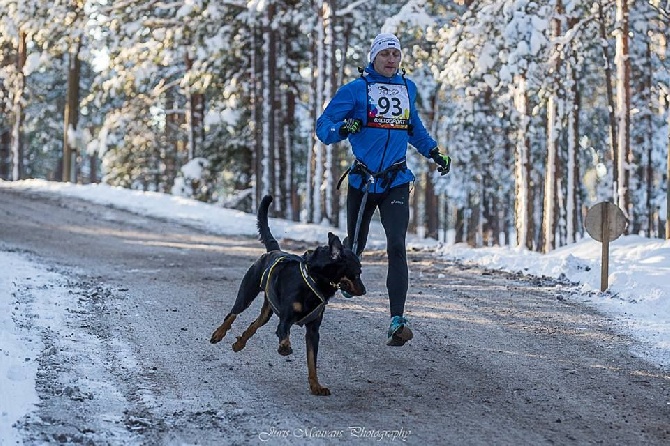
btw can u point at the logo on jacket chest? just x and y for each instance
(388, 106)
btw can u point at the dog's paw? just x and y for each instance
(239, 344)
(319, 390)
(285, 350)
(220, 332)
(215, 337)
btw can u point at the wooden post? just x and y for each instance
(604, 269)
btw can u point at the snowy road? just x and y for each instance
(124, 357)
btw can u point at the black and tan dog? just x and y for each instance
(297, 288)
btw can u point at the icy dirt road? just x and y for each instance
(496, 359)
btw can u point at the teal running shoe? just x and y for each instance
(399, 332)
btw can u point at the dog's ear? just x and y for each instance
(335, 246)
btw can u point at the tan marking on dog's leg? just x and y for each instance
(297, 307)
(223, 328)
(314, 386)
(262, 319)
(285, 348)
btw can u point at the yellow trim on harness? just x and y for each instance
(265, 286)
(312, 285)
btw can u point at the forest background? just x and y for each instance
(546, 108)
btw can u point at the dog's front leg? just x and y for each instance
(284, 335)
(312, 347)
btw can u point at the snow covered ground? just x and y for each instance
(638, 298)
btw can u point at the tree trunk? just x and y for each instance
(473, 215)
(19, 116)
(667, 178)
(553, 128)
(172, 140)
(431, 204)
(614, 150)
(572, 186)
(289, 95)
(5, 152)
(644, 91)
(314, 108)
(5, 140)
(268, 87)
(287, 139)
(257, 105)
(509, 216)
(492, 208)
(320, 100)
(332, 69)
(431, 207)
(549, 219)
(195, 116)
(460, 226)
(5, 133)
(342, 152)
(523, 205)
(71, 120)
(623, 108)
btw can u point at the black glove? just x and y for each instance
(443, 161)
(351, 126)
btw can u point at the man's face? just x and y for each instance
(387, 62)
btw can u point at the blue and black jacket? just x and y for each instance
(378, 149)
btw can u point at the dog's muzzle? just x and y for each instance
(353, 287)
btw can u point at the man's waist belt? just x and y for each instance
(385, 177)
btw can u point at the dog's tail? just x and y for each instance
(263, 228)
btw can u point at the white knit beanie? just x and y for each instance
(382, 42)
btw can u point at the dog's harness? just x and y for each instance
(276, 265)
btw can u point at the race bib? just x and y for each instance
(388, 106)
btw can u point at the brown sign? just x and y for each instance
(606, 218)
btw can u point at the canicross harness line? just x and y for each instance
(283, 258)
(387, 176)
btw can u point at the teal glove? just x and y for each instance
(351, 126)
(443, 161)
